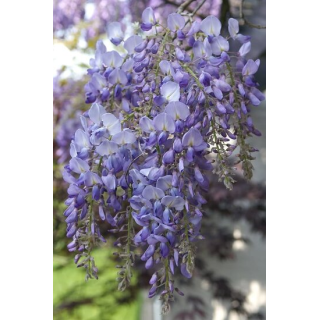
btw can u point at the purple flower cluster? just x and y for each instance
(94, 14)
(103, 12)
(66, 13)
(67, 107)
(171, 109)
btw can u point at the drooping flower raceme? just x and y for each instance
(161, 117)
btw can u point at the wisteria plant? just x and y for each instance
(173, 108)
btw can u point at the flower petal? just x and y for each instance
(211, 26)
(166, 68)
(148, 16)
(245, 48)
(175, 22)
(177, 110)
(151, 193)
(233, 27)
(192, 138)
(124, 137)
(107, 148)
(146, 124)
(250, 68)
(219, 45)
(95, 113)
(111, 123)
(131, 43)
(118, 76)
(184, 271)
(164, 183)
(195, 27)
(171, 91)
(198, 49)
(173, 202)
(164, 122)
(78, 165)
(112, 59)
(222, 85)
(81, 139)
(114, 32)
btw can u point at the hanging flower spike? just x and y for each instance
(139, 164)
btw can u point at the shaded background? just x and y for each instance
(229, 281)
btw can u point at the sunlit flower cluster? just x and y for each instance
(173, 108)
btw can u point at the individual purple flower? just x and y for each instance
(170, 91)
(146, 124)
(81, 140)
(148, 19)
(115, 33)
(245, 48)
(258, 93)
(111, 123)
(192, 138)
(200, 50)
(175, 22)
(173, 202)
(91, 178)
(78, 165)
(233, 27)
(168, 157)
(124, 137)
(110, 181)
(164, 183)
(118, 76)
(113, 59)
(95, 113)
(205, 78)
(222, 85)
(153, 279)
(180, 54)
(131, 43)
(185, 271)
(107, 148)
(152, 193)
(177, 145)
(101, 49)
(250, 68)
(98, 82)
(166, 67)
(195, 27)
(211, 26)
(253, 99)
(177, 110)
(164, 122)
(243, 39)
(219, 45)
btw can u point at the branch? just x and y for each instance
(225, 9)
(197, 8)
(126, 174)
(184, 5)
(257, 26)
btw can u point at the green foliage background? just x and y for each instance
(75, 299)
